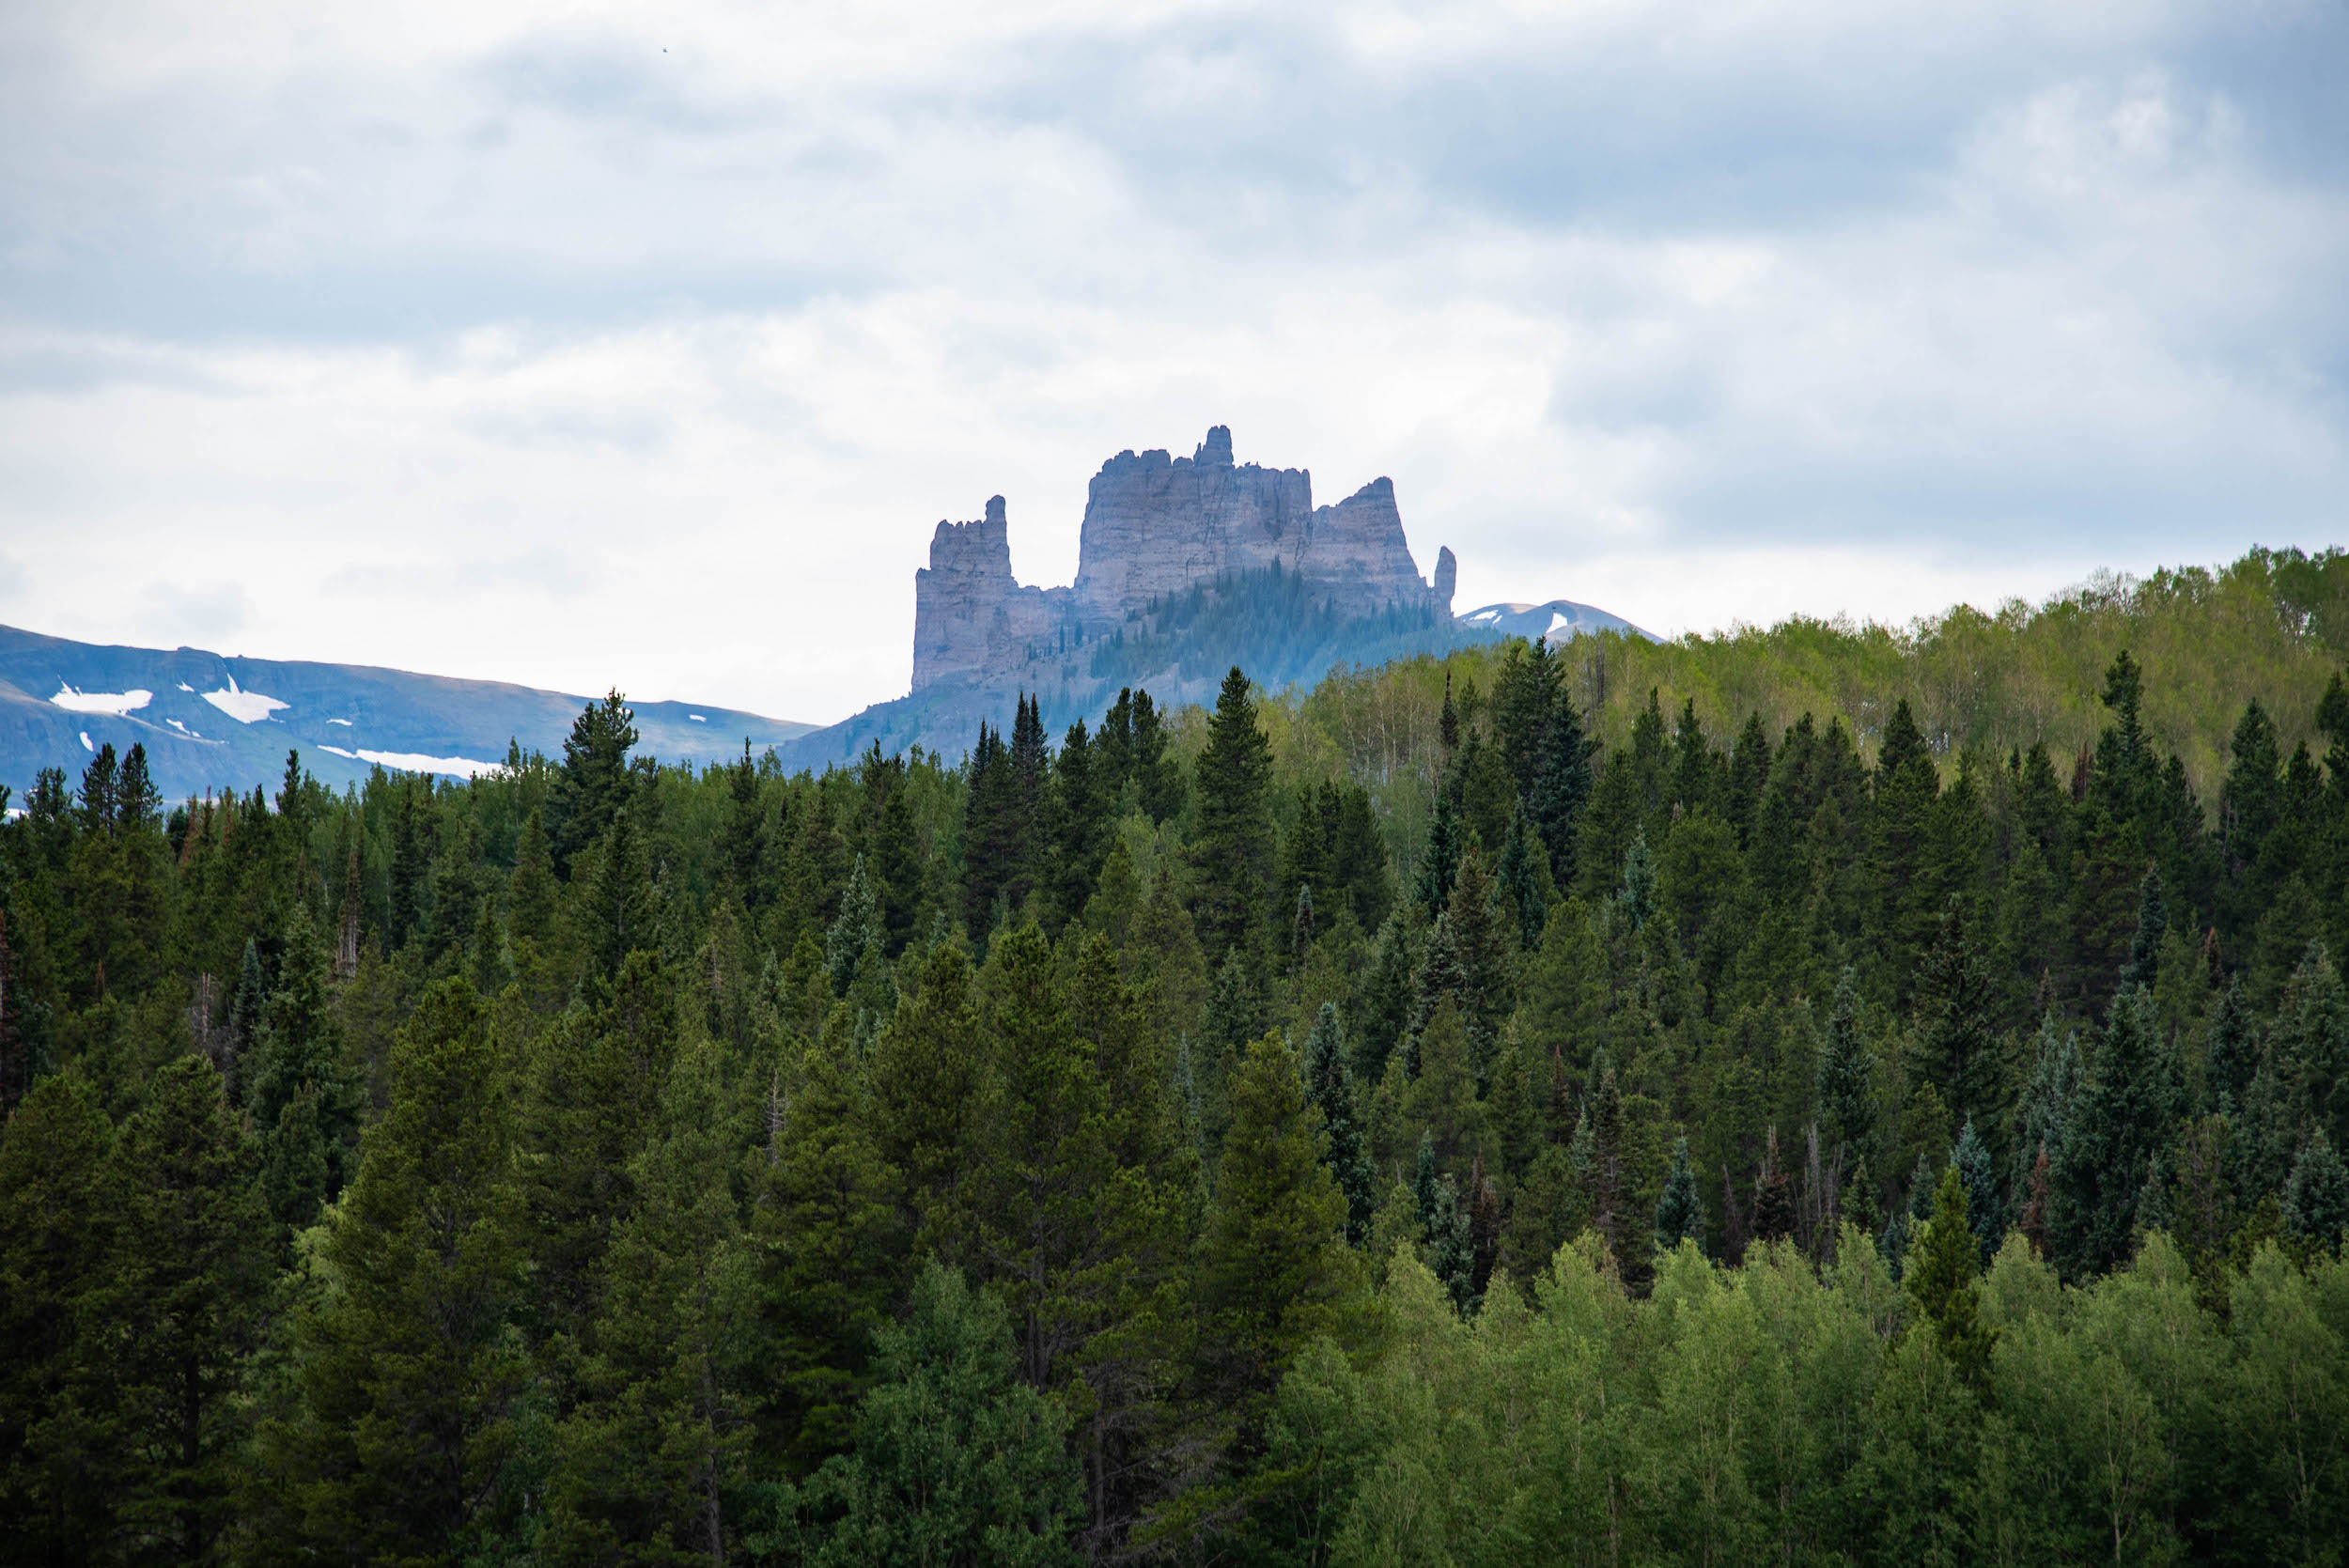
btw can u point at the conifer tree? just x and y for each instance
(1520, 886)
(2153, 920)
(620, 913)
(1386, 1002)
(1636, 897)
(180, 1308)
(1941, 1268)
(406, 1372)
(2126, 1115)
(300, 1045)
(955, 1460)
(924, 1079)
(821, 1234)
(1679, 1216)
(1972, 1159)
(2316, 1196)
(1232, 857)
(531, 893)
(57, 1213)
(1439, 860)
(1846, 1098)
(651, 1459)
(2231, 1052)
(1275, 1272)
(1230, 1021)
(1954, 992)
(1329, 1085)
(593, 785)
(1907, 787)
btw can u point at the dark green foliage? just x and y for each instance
(1232, 858)
(593, 785)
(595, 1253)
(1679, 1216)
(2125, 1117)
(2316, 1197)
(955, 1459)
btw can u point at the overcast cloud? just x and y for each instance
(645, 345)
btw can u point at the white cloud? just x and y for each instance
(612, 348)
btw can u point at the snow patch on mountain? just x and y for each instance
(416, 761)
(245, 708)
(115, 703)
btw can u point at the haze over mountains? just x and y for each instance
(1186, 566)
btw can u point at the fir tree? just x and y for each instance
(1939, 1276)
(2316, 1197)
(1439, 860)
(955, 1460)
(1679, 1216)
(2231, 1052)
(2126, 1112)
(1386, 1001)
(1275, 1272)
(1972, 1159)
(1636, 897)
(1329, 1085)
(1232, 857)
(593, 785)
(181, 1306)
(406, 1371)
(1522, 886)
(1954, 992)
(2153, 919)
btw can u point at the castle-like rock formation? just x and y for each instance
(1155, 527)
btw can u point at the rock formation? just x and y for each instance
(1155, 527)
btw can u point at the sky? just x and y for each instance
(595, 345)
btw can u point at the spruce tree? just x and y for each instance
(955, 1460)
(1439, 859)
(1939, 1275)
(1387, 1000)
(2316, 1196)
(1954, 992)
(1329, 1086)
(2230, 1051)
(1907, 787)
(407, 1373)
(1846, 1098)
(2126, 1115)
(593, 785)
(1275, 1272)
(178, 1310)
(1679, 1215)
(1232, 857)
(922, 1080)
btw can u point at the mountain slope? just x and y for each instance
(209, 722)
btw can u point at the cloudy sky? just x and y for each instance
(646, 344)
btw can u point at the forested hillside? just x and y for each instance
(1823, 1094)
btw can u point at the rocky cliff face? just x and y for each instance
(1154, 526)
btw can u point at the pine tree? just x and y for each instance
(180, 1308)
(1329, 1086)
(58, 1210)
(2126, 1115)
(1846, 1066)
(1941, 1268)
(620, 913)
(1232, 856)
(1679, 1216)
(531, 893)
(299, 1050)
(955, 1459)
(1972, 1159)
(1439, 859)
(406, 1371)
(2316, 1197)
(1275, 1272)
(593, 785)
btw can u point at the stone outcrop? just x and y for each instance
(1154, 526)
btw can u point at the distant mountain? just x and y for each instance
(209, 721)
(1185, 567)
(1558, 619)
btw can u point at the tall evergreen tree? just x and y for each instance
(1329, 1085)
(1275, 1272)
(1232, 857)
(593, 785)
(1679, 1215)
(2125, 1115)
(407, 1375)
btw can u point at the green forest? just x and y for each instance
(1833, 1094)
